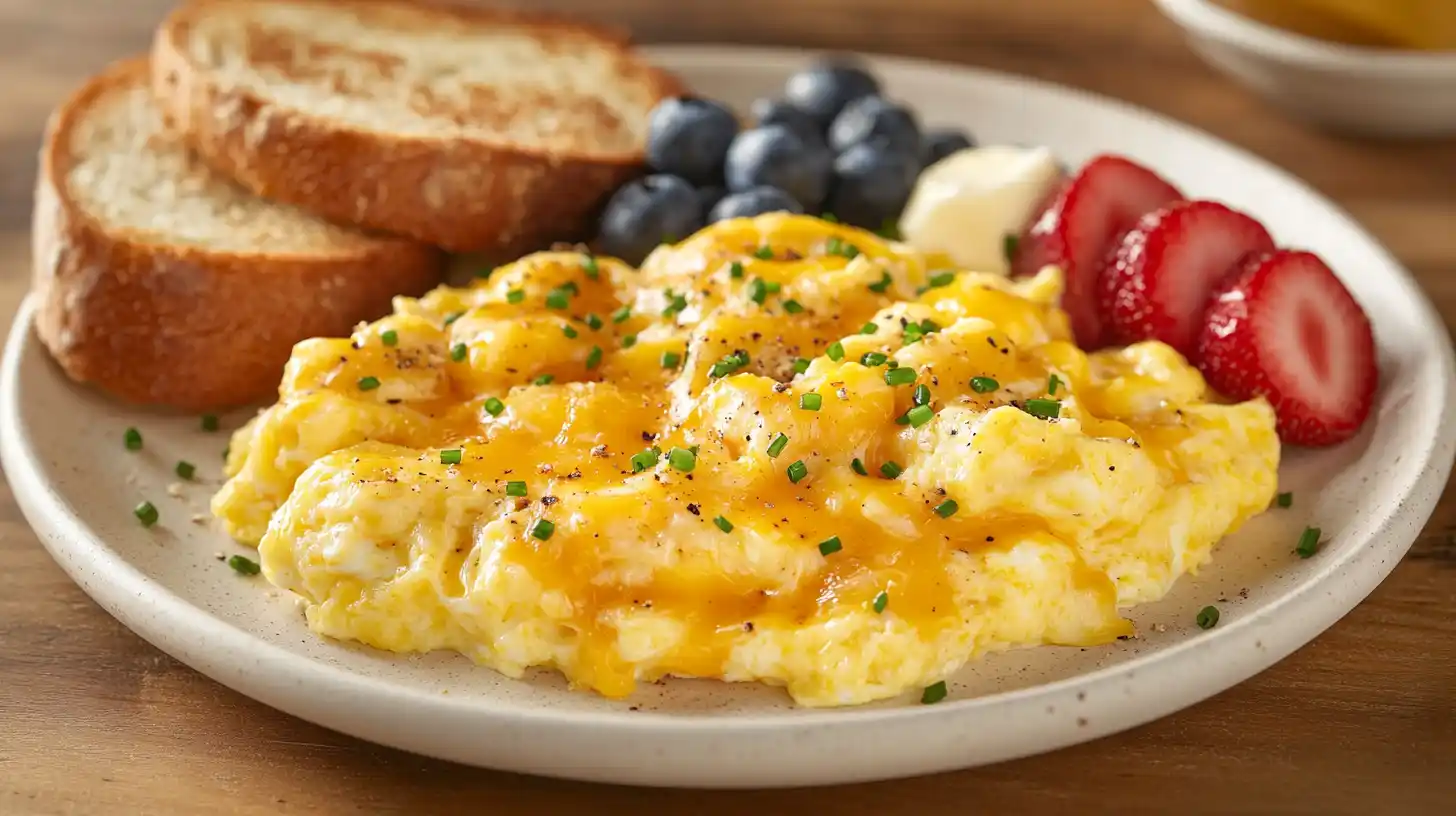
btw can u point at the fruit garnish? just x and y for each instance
(823, 90)
(1285, 328)
(689, 137)
(1157, 284)
(775, 156)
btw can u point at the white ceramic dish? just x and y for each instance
(1361, 91)
(77, 484)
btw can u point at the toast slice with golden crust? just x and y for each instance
(163, 283)
(473, 130)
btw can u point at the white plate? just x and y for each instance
(77, 485)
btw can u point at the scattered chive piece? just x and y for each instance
(882, 285)
(1207, 617)
(882, 600)
(677, 305)
(889, 230)
(832, 246)
(858, 467)
(868, 328)
(903, 419)
(735, 270)
(622, 314)
(891, 470)
(797, 471)
(226, 452)
(452, 317)
(484, 273)
(758, 291)
(872, 359)
(629, 341)
(850, 251)
(368, 383)
(389, 337)
(185, 469)
(793, 306)
(723, 524)
(729, 364)
(829, 217)
(146, 513)
(922, 394)
(811, 402)
(1009, 242)
(243, 565)
(132, 438)
(984, 385)
(589, 263)
(670, 359)
(919, 415)
(899, 376)
(928, 326)
(210, 422)
(1052, 384)
(947, 508)
(777, 445)
(542, 529)
(450, 457)
(836, 351)
(515, 296)
(558, 299)
(494, 407)
(763, 253)
(593, 322)
(516, 489)
(940, 279)
(1043, 408)
(801, 365)
(830, 546)
(569, 330)
(773, 287)
(593, 358)
(1308, 542)
(457, 352)
(682, 459)
(644, 460)
(544, 379)
(1284, 499)
(933, 694)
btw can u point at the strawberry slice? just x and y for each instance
(1157, 283)
(1285, 328)
(1081, 224)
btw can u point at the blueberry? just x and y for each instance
(775, 156)
(871, 184)
(710, 196)
(756, 201)
(689, 137)
(824, 89)
(873, 118)
(646, 212)
(937, 144)
(782, 112)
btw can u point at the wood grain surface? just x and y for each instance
(1362, 721)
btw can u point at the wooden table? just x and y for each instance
(1362, 721)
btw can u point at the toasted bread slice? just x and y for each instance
(472, 130)
(163, 283)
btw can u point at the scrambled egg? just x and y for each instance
(784, 451)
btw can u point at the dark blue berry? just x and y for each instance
(782, 112)
(756, 201)
(646, 212)
(941, 142)
(875, 119)
(710, 196)
(775, 156)
(871, 184)
(824, 89)
(688, 137)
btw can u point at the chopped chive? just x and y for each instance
(558, 299)
(622, 314)
(858, 467)
(829, 217)
(947, 508)
(882, 600)
(185, 469)
(1042, 408)
(670, 359)
(1052, 384)
(1284, 499)
(899, 376)
(451, 457)
(868, 328)
(210, 422)
(494, 407)
(723, 524)
(569, 330)
(928, 326)
(589, 264)
(677, 304)
(984, 385)
(849, 251)
(629, 341)
(729, 364)
(593, 322)
(830, 546)
(836, 351)
(1009, 243)
(793, 306)
(1207, 617)
(811, 402)
(757, 291)
(889, 230)
(593, 358)
(940, 279)
(764, 253)
(516, 489)
(801, 365)
(544, 379)
(797, 471)
(452, 317)
(934, 693)
(833, 245)
(922, 394)
(882, 285)
(132, 438)
(146, 513)
(515, 296)
(777, 444)
(919, 415)
(485, 272)
(542, 529)
(891, 470)
(773, 287)
(1309, 541)
(870, 359)
(368, 383)
(243, 565)
(735, 270)
(682, 459)
(644, 460)
(570, 288)
(389, 337)
(458, 351)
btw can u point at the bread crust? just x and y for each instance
(463, 194)
(183, 326)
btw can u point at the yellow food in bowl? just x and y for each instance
(711, 468)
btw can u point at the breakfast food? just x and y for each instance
(163, 283)
(786, 450)
(464, 128)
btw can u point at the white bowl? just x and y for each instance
(1361, 91)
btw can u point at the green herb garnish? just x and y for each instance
(947, 508)
(835, 351)
(811, 402)
(919, 415)
(458, 352)
(1043, 408)
(934, 693)
(723, 524)
(793, 307)
(516, 489)
(1285, 500)
(515, 296)
(210, 422)
(244, 566)
(146, 513)
(1207, 617)
(801, 365)
(593, 358)
(1309, 542)
(451, 457)
(185, 470)
(858, 467)
(494, 407)
(544, 379)
(389, 338)
(922, 394)
(870, 359)
(777, 444)
(682, 459)
(670, 359)
(984, 385)
(645, 460)
(368, 383)
(593, 322)
(132, 438)
(882, 600)
(891, 470)
(830, 546)
(868, 328)
(797, 471)
(542, 529)
(899, 376)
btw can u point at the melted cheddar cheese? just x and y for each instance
(722, 478)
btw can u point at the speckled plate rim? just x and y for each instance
(755, 751)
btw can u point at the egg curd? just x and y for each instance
(784, 451)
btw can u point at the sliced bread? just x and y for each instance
(473, 130)
(163, 283)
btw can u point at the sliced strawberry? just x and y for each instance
(1157, 283)
(1079, 226)
(1285, 328)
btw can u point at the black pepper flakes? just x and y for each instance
(694, 509)
(549, 500)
